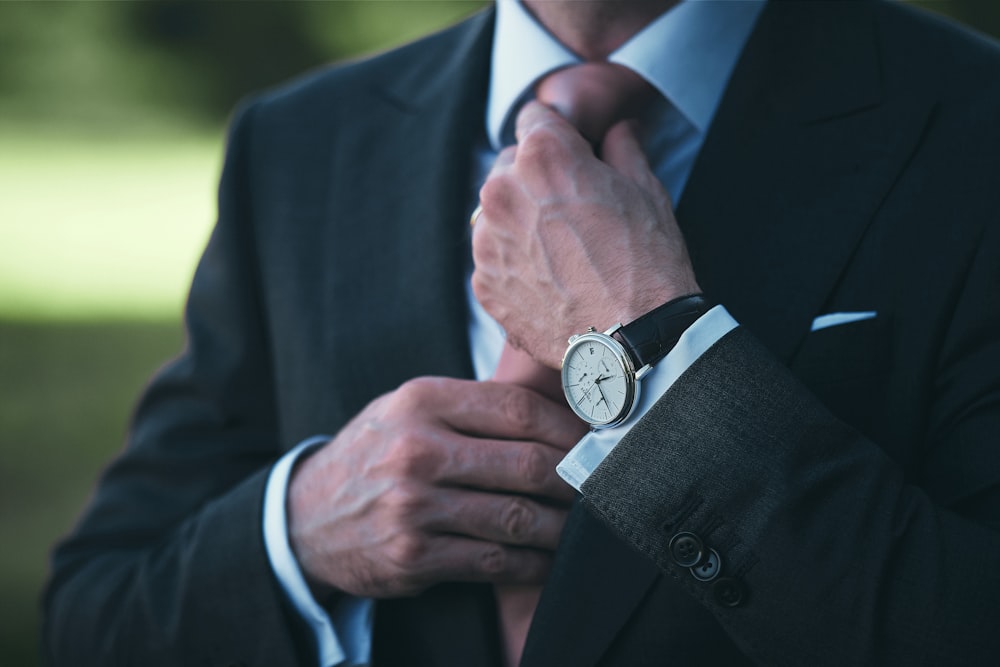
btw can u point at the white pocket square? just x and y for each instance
(835, 319)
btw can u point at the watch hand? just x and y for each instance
(603, 397)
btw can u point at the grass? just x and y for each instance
(99, 227)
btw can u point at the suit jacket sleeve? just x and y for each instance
(173, 535)
(831, 553)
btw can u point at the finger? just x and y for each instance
(490, 409)
(535, 115)
(621, 150)
(496, 196)
(508, 466)
(515, 413)
(513, 520)
(543, 132)
(504, 159)
(454, 558)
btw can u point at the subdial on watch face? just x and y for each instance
(596, 382)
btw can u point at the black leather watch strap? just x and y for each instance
(649, 338)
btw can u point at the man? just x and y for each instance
(817, 485)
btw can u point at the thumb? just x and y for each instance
(621, 150)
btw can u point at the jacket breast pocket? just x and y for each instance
(847, 367)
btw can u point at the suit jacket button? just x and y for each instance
(709, 568)
(686, 549)
(729, 592)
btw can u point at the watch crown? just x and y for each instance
(591, 329)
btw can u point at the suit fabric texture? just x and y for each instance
(849, 478)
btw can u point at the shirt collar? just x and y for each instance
(688, 54)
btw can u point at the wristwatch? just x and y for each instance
(601, 371)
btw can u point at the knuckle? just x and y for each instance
(508, 154)
(480, 284)
(406, 551)
(493, 560)
(493, 192)
(533, 466)
(517, 520)
(520, 409)
(414, 456)
(412, 447)
(405, 505)
(414, 394)
(540, 144)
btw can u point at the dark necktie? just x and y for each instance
(593, 96)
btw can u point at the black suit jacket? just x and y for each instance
(849, 479)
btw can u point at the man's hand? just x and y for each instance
(566, 241)
(440, 480)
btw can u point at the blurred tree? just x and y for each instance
(236, 47)
(113, 65)
(230, 48)
(983, 15)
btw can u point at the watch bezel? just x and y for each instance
(624, 360)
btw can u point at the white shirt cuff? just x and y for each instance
(707, 330)
(352, 615)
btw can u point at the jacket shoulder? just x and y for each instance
(938, 51)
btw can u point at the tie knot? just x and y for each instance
(594, 96)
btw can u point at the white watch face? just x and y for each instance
(596, 383)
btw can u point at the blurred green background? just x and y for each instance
(112, 120)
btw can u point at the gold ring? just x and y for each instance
(475, 215)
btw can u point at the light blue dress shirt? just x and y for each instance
(688, 54)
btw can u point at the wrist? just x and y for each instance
(648, 298)
(300, 500)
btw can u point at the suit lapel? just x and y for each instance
(596, 582)
(802, 150)
(805, 146)
(402, 275)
